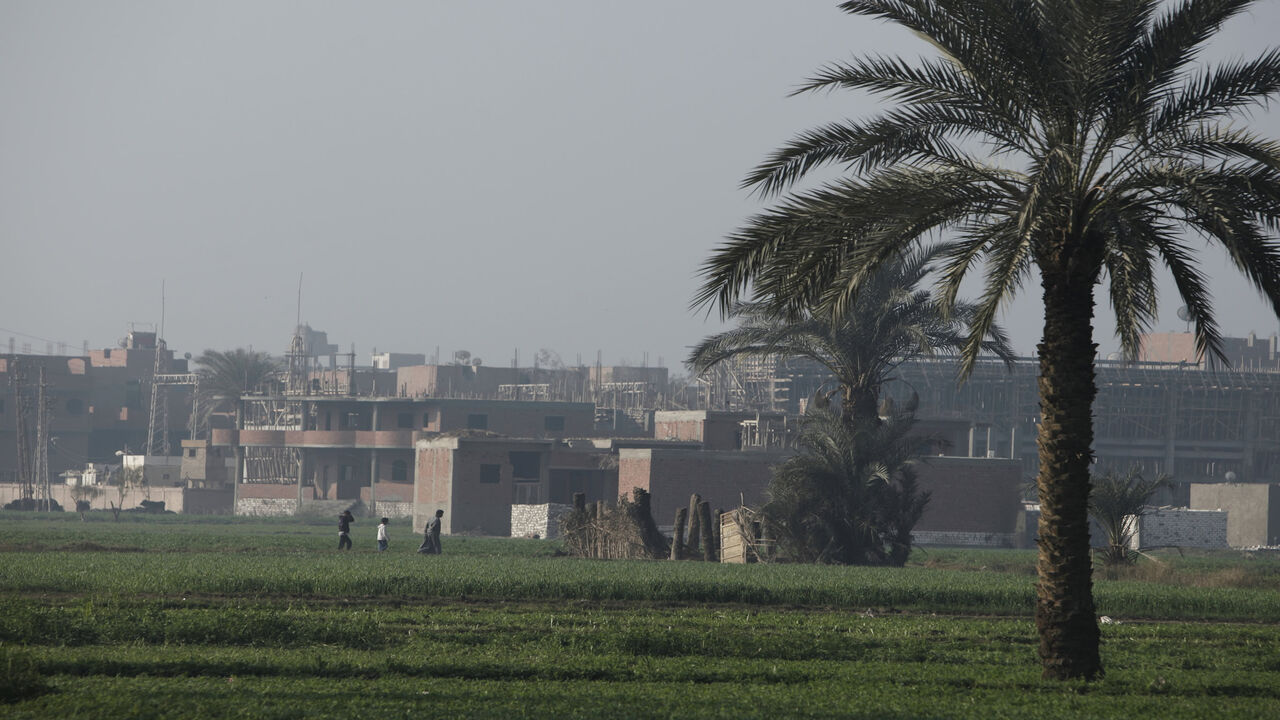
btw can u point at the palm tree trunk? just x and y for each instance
(1065, 616)
(859, 403)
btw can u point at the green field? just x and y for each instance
(179, 617)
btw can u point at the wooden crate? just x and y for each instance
(733, 543)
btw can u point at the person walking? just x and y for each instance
(344, 530)
(382, 535)
(431, 536)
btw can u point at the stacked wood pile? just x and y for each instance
(595, 530)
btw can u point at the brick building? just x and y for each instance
(1247, 353)
(121, 395)
(475, 479)
(98, 403)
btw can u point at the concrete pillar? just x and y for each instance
(1171, 429)
(302, 475)
(1249, 439)
(239, 451)
(373, 482)
(373, 467)
(239, 476)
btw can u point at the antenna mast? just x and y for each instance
(158, 427)
(299, 358)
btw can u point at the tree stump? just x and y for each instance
(677, 536)
(708, 537)
(695, 525)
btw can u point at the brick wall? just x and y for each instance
(390, 492)
(724, 479)
(970, 495)
(433, 485)
(1253, 510)
(107, 495)
(275, 491)
(679, 425)
(537, 520)
(515, 419)
(207, 502)
(1181, 527)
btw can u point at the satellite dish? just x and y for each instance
(1184, 314)
(1231, 476)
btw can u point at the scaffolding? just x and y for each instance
(271, 465)
(1166, 417)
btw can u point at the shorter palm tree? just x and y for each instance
(1115, 503)
(232, 373)
(226, 375)
(849, 496)
(889, 321)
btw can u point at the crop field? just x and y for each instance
(218, 618)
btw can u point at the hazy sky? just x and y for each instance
(462, 175)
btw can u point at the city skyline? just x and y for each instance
(462, 176)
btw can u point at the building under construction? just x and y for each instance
(1197, 424)
(333, 430)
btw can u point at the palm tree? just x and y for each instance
(226, 375)
(1072, 139)
(1116, 502)
(890, 321)
(849, 496)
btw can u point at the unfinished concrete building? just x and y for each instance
(316, 448)
(1195, 424)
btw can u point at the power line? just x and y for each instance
(33, 337)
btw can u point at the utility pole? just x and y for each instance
(41, 479)
(22, 420)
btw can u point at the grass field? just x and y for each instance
(174, 617)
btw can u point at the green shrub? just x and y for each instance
(20, 679)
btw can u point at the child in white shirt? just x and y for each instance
(382, 535)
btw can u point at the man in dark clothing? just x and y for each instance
(431, 536)
(344, 530)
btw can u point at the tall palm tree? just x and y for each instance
(1077, 139)
(890, 321)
